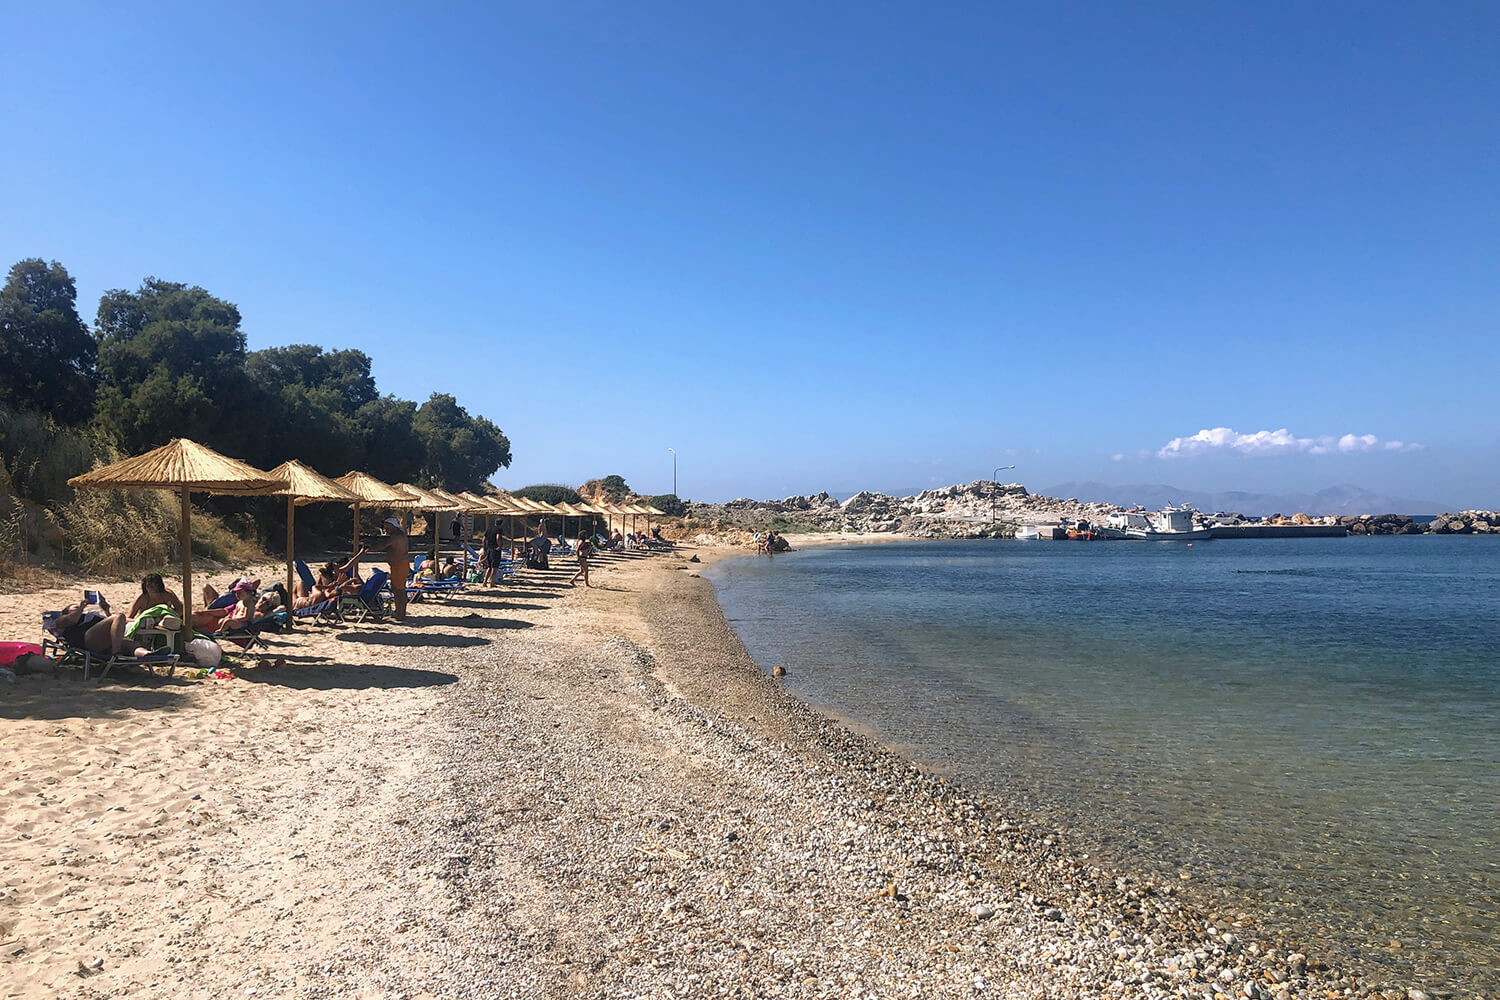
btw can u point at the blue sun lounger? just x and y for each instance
(61, 652)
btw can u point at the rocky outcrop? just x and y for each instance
(1465, 522)
(1381, 524)
(979, 509)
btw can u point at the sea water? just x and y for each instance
(1301, 732)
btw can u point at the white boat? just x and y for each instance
(1028, 533)
(1170, 524)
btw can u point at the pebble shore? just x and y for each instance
(595, 793)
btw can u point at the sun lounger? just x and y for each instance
(305, 575)
(368, 602)
(322, 613)
(61, 652)
(248, 636)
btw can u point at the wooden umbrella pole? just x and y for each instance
(356, 529)
(186, 541)
(291, 513)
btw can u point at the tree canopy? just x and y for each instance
(548, 493)
(669, 503)
(172, 364)
(47, 357)
(169, 360)
(461, 451)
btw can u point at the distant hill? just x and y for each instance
(1334, 500)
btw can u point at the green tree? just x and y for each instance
(549, 493)
(172, 363)
(392, 448)
(614, 487)
(47, 357)
(461, 451)
(321, 394)
(669, 503)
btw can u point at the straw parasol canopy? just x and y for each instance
(427, 499)
(371, 492)
(187, 467)
(431, 503)
(304, 486)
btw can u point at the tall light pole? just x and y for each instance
(995, 481)
(674, 470)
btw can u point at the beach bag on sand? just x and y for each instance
(205, 652)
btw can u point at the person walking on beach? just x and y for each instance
(585, 549)
(400, 562)
(492, 555)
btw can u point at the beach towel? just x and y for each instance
(12, 651)
(158, 616)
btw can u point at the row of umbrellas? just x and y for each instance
(188, 467)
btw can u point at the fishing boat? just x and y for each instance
(1170, 524)
(1028, 533)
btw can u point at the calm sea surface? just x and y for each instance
(1310, 728)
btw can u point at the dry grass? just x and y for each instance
(47, 527)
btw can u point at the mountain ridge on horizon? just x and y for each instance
(1345, 498)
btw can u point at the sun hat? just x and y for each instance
(393, 522)
(245, 583)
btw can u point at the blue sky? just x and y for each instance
(818, 246)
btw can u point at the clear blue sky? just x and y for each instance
(818, 246)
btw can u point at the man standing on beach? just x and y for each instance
(492, 555)
(396, 556)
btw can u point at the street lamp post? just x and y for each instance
(995, 481)
(674, 470)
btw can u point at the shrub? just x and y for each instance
(669, 504)
(549, 493)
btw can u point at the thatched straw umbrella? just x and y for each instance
(429, 503)
(372, 492)
(506, 506)
(186, 467)
(590, 508)
(304, 486)
(568, 510)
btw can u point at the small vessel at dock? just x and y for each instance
(1170, 524)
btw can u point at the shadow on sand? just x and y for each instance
(414, 638)
(341, 677)
(496, 600)
(475, 621)
(69, 696)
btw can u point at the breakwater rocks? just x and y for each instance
(980, 509)
(1467, 522)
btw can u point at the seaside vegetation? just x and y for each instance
(169, 360)
(549, 493)
(668, 503)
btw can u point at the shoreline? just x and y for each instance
(546, 791)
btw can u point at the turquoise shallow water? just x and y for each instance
(1309, 727)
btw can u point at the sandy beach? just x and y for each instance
(535, 791)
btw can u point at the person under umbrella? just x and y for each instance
(394, 547)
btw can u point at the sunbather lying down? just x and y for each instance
(96, 631)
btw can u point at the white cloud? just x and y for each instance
(1117, 458)
(1226, 440)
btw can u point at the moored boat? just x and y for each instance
(1170, 524)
